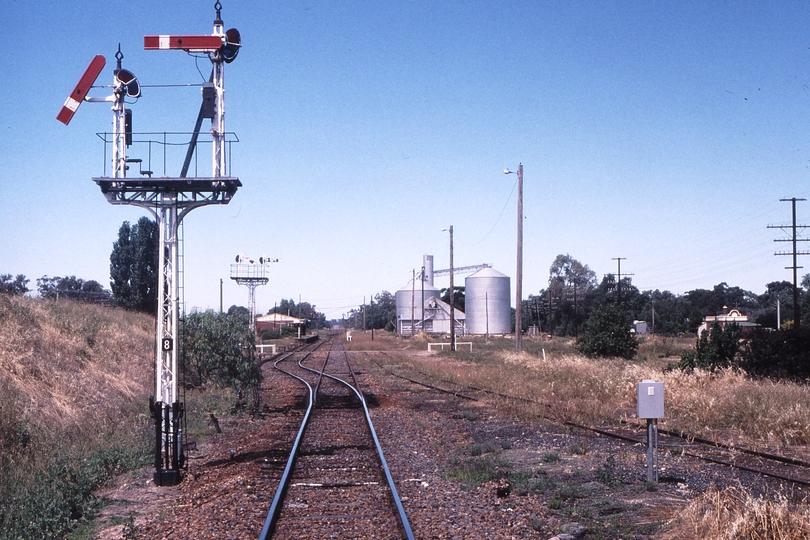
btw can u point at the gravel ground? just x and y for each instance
(542, 476)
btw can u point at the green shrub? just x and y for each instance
(608, 473)
(781, 354)
(607, 333)
(15, 434)
(130, 532)
(49, 499)
(551, 457)
(218, 349)
(528, 482)
(715, 350)
(479, 449)
(285, 331)
(474, 471)
(578, 449)
(567, 493)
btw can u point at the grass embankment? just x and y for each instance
(74, 383)
(724, 406)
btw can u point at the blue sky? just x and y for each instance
(663, 132)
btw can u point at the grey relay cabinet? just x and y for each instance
(650, 399)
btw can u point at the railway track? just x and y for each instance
(784, 468)
(336, 483)
(551, 469)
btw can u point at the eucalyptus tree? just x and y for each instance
(9, 285)
(569, 284)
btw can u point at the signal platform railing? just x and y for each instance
(163, 153)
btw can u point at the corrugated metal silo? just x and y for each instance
(403, 298)
(487, 299)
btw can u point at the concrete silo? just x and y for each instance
(488, 305)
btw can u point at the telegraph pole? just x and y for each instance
(452, 298)
(452, 295)
(519, 269)
(795, 253)
(413, 297)
(519, 280)
(619, 278)
(423, 298)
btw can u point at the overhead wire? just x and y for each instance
(508, 199)
(733, 251)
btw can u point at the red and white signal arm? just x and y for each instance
(208, 43)
(80, 92)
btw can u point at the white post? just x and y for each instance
(519, 280)
(119, 157)
(218, 122)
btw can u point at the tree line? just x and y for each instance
(606, 311)
(574, 303)
(54, 287)
(573, 294)
(380, 313)
(562, 308)
(313, 319)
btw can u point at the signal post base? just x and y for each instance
(167, 478)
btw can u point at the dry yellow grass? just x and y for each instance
(361, 341)
(735, 514)
(74, 367)
(603, 391)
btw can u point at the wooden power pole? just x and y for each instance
(795, 253)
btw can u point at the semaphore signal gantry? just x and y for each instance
(169, 200)
(246, 272)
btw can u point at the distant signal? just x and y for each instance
(82, 88)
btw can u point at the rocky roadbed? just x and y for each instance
(546, 479)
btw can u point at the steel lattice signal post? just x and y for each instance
(251, 275)
(169, 200)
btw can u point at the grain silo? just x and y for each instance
(487, 301)
(411, 295)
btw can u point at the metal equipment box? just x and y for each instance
(650, 399)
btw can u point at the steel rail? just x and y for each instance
(403, 518)
(281, 491)
(706, 442)
(420, 383)
(748, 469)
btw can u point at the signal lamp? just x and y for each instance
(233, 42)
(128, 83)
